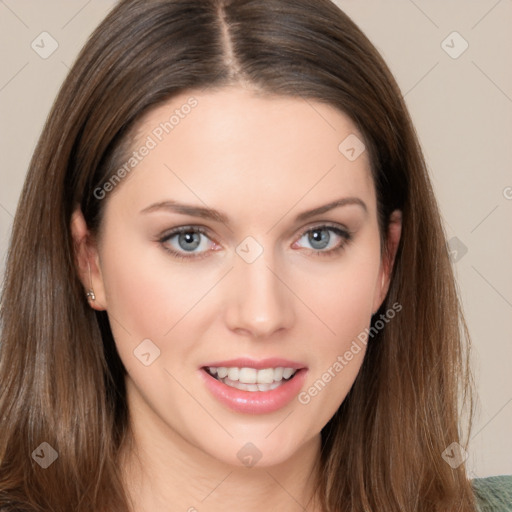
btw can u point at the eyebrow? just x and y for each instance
(215, 215)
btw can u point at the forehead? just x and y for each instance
(231, 147)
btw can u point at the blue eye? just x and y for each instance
(325, 239)
(187, 242)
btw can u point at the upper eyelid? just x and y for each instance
(184, 229)
(327, 225)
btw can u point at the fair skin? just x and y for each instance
(261, 161)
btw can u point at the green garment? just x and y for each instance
(494, 493)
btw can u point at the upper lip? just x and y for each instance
(258, 364)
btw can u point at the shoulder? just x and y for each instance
(493, 493)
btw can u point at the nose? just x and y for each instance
(260, 303)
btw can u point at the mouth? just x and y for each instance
(250, 386)
(252, 379)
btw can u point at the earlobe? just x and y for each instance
(388, 260)
(87, 261)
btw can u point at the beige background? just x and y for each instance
(462, 109)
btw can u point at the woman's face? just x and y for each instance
(245, 235)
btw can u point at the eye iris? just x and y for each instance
(319, 238)
(189, 241)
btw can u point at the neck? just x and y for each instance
(163, 471)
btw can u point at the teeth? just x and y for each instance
(265, 376)
(233, 373)
(222, 372)
(248, 376)
(288, 372)
(251, 376)
(251, 387)
(278, 373)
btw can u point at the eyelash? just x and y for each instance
(343, 233)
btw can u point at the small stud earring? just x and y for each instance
(90, 294)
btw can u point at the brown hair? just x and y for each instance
(61, 380)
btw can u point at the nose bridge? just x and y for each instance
(260, 303)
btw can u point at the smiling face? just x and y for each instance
(243, 237)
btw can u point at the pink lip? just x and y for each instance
(246, 362)
(255, 402)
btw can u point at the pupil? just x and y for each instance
(189, 241)
(319, 238)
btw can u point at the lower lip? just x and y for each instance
(255, 402)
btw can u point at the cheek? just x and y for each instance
(342, 295)
(150, 297)
(146, 291)
(343, 299)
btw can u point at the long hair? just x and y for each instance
(61, 379)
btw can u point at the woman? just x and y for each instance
(228, 283)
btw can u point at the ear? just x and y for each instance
(87, 260)
(388, 259)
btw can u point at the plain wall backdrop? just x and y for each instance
(452, 62)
